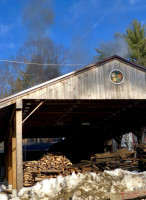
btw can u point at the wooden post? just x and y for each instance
(6, 159)
(19, 149)
(14, 179)
(8, 152)
(17, 160)
(10, 158)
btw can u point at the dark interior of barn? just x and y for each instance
(85, 124)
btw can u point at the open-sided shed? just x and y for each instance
(110, 95)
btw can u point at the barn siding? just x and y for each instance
(93, 83)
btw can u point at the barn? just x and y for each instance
(99, 101)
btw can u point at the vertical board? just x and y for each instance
(19, 149)
(14, 171)
(10, 158)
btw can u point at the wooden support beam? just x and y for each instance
(6, 158)
(17, 160)
(8, 152)
(10, 159)
(19, 149)
(14, 183)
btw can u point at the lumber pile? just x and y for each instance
(141, 154)
(49, 166)
(130, 164)
(113, 156)
(123, 159)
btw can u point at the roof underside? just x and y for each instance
(71, 115)
(58, 118)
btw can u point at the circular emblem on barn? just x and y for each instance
(116, 76)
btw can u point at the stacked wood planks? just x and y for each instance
(141, 154)
(123, 159)
(130, 164)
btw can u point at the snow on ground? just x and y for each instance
(84, 186)
(3, 197)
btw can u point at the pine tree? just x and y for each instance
(131, 45)
(136, 39)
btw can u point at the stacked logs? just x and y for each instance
(49, 166)
(141, 154)
(53, 162)
(52, 166)
(28, 168)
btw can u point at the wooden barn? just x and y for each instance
(105, 99)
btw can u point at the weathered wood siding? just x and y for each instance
(93, 83)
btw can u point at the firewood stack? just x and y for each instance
(56, 162)
(48, 166)
(141, 154)
(51, 166)
(28, 168)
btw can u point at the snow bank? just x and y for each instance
(3, 197)
(85, 186)
(14, 198)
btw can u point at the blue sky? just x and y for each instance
(79, 25)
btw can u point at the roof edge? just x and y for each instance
(124, 60)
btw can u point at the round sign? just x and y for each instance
(116, 76)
